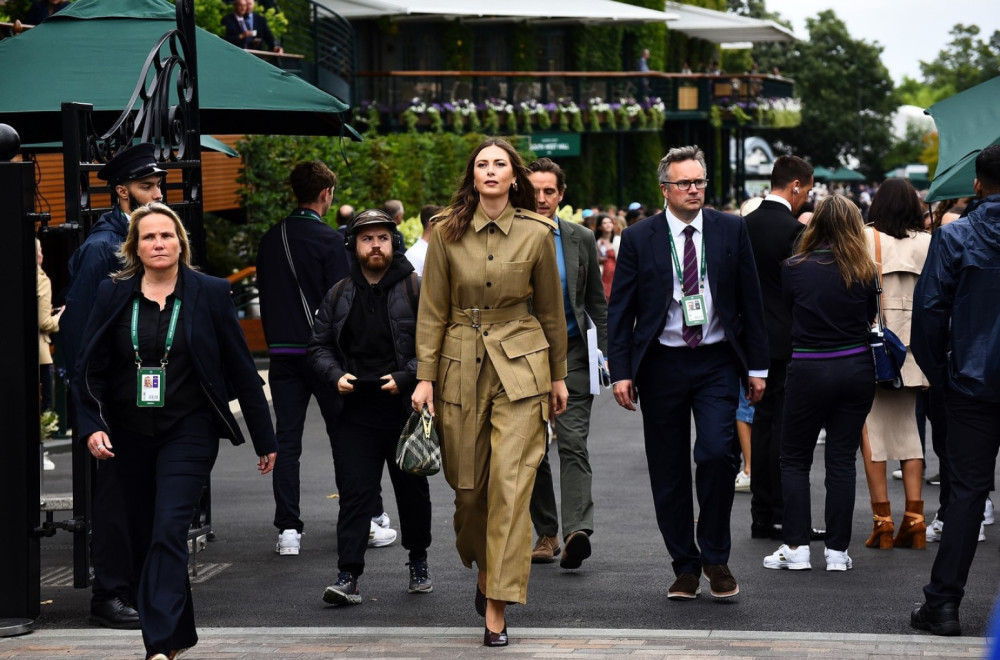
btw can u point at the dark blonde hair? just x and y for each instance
(836, 224)
(128, 252)
(466, 199)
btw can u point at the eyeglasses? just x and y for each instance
(685, 184)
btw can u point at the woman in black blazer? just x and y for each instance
(152, 393)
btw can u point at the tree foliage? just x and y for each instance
(965, 62)
(835, 76)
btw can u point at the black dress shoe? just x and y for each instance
(765, 531)
(577, 549)
(941, 620)
(114, 613)
(480, 602)
(491, 638)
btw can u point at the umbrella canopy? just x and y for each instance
(93, 52)
(845, 174)
(967, 123)
(822, 173)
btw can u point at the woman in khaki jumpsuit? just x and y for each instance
(499, 368)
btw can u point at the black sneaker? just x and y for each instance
(420, 581)
(344, 591)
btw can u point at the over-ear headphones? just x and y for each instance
(373, 217)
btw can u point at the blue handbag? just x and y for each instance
(888, 352)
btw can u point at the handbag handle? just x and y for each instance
(427, 421)
(878, 276)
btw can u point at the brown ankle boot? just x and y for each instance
(883, 528)
(913, 529)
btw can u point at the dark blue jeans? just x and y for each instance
(835, 394)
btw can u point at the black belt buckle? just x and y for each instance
(476, 315)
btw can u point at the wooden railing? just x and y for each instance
(394, 91)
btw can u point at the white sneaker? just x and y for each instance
(382, 520)
(793, 560)
(897, 474)
(988, 517)
(982, 532)
(380, 537)
(742, 481)
(48, 466)
(837, 560)
(289, 542)
(934, 530)
(821, 439)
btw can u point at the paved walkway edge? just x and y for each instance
(529, 633)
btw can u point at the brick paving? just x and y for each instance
(443, 643)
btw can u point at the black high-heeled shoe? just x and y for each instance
(480, 602)
(491, 638)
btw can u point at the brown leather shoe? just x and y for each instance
(577, 549)
(721, 582)
(546, 550)
(685, 587)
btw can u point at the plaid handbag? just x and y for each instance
(419, 451)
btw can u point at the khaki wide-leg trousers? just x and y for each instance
(492, 522)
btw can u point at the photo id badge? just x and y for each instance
(151, 387)
(694, 310)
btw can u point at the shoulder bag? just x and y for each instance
(888, 352)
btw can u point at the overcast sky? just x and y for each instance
(908, 30)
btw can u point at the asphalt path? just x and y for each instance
(622, 586)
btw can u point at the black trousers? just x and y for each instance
(161, 481)
(973, 442)
(293, 383)
(937, 413)
(765, 449)
(359, 454)
(673, 384)
(111, 537)
(836, 394)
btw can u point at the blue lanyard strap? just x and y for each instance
(171, 329)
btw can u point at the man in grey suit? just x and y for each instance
(583, 296)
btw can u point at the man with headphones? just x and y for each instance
(363, 346)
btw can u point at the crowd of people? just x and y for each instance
(491, 322)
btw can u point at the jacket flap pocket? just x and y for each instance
(524, 343)
(451, 347)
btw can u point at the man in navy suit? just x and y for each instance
(685, 324)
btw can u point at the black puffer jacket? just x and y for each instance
(326, 355)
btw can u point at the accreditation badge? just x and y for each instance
(694, 310)
(151, 387)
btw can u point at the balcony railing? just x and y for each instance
(683, 96)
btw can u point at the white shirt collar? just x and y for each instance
(677, 225)
(780, 200)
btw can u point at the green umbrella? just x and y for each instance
(93, 51)
(845, 174)
(822, 173)
(967, 123)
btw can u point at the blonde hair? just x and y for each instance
(128, 252)
(836, 224)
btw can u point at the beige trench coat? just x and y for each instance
(487, 278)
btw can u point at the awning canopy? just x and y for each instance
(723, 27)
(550, 11)
(93, 51)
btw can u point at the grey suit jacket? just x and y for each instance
(583, 279)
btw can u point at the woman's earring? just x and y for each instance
(514, 185)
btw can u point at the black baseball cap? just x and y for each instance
(129, 164)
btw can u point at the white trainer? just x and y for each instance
(988, 517)
(897, 474)
(742, 481)
(793, 560)
(982, 532)
(934, 530)
(289, 542)
(48, 466)
(382, 520)
(837, 560)
(380, 537)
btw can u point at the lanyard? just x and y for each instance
(677, 265)
(174, 315)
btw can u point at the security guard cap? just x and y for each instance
(129, 164)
